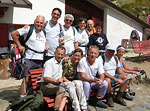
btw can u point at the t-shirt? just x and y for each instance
(69, 70)
(110, 66)
(99, 40)
(52, 37)
(92, 31)
(70, 36)
(83, 40)
(36, 38)
(52, 69)
(90, 70)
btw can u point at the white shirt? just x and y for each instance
(70, 36)
(36, 42)
(90, 70)
(52, 69)
(83, 40)
(52, 37)
(110, 66)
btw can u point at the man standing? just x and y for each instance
(92, 74)
(70, 35)
(34, 51)
(90, 27)
(53, 33)
(52, 78)
(111, 65)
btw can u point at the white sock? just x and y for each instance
(21, 96)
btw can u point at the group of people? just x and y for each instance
(74, 60)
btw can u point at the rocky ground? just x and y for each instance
(9, 89)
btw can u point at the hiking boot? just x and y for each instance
(110, 101)
(127, 96)
(101, 104)
(119, 99)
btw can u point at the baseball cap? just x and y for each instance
(111, 47)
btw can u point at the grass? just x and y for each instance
(138, 8)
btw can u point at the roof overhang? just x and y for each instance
(16, 3)
(109, 4)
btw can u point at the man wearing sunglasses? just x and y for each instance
(70, 35)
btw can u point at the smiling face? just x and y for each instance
(76, 57)
(68, 22)
(120, 53)
(55, 16)
(92, 54)
(110, 53)
(98, 30)
(90, 24)
(39, 23)
(82, 25)
(59, 54)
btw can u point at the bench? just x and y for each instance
(141, 47)
(35, 77)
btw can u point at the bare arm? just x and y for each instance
(129, 68)
(15, 35)
(76, 45)
(113, 78)
(50, 80)
(85, 78)
(65, 79)
(120, 71)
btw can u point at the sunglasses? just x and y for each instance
(68, 20)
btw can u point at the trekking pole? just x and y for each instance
(24, 84)
(117, 84)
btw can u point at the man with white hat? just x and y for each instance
(111, 65)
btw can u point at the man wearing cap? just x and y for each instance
(111, 65)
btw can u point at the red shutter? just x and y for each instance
(3, 35)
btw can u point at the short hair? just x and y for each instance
(61, 47)
(39, 16)
(57, 9)
(78, 50)
(99, 24)
(90, 20)
(69, 16)
(82, 19)
(94, 47)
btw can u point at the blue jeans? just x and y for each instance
(87, 86)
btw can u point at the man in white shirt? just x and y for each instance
(52, 78)
(53, 33)
(92, 74)
(111, 65)
(70, 35)
(34, 52)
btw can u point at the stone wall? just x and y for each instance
(4, 68)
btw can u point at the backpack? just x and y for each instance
(21, 38)
(28, 103)
(103, 58)
(134, 35)
(85, 30)
(18, 70)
